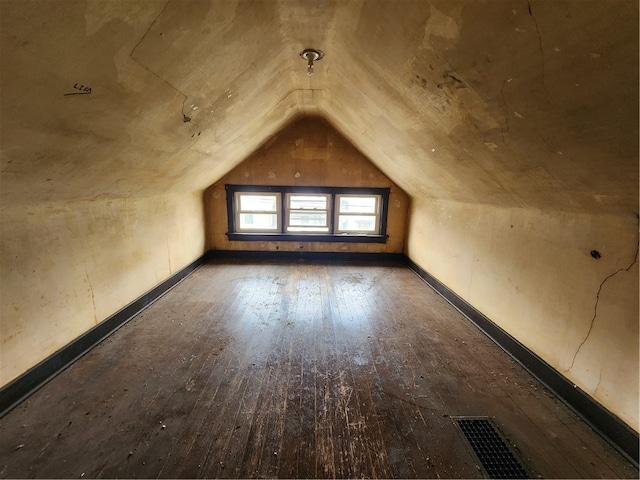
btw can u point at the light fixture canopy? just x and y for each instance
(311, 55)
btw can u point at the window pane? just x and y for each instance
(258, 203)
(357, 223)
(357, 204)
(308, 202)
(258, 221)
(308, 219)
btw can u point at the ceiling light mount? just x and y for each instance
(311, 55)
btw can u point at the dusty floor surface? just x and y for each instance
(294, 370)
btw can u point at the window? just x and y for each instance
(307, 213)
(322, 214)
(358, 213)
(257, 212)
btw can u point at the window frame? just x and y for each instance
(238, 212)
(380, 236)
(338, 213)
(290, 229)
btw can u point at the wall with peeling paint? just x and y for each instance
(67, 266)
(531, 272)
(308, 152)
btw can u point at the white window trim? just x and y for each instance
(301, 230)
(375, 214)
(238, 212)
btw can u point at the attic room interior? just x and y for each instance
(319, 239)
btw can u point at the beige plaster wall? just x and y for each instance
(65, 267)
(309, 152)
(531, 272)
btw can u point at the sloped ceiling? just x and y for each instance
(509, 103)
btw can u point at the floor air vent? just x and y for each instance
(491, 450)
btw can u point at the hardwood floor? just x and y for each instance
(294, 370)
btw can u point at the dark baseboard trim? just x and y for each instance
(23, 386)
(307, 256)
(608, 425)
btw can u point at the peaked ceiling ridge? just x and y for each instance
(417, 90)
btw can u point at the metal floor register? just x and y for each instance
(492, 452)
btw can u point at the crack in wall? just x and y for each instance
(93, 297)
(165, 82)
(151, 71)
(539, 40)
(595, 308)
(599, 382)
(149, 29)
(169, 256)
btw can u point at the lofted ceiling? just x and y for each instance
(511, 103)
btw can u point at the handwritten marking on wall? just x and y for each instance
(82, 90)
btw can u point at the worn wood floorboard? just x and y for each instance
(294, 370)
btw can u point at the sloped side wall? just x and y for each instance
(533, 274)
(65, 267)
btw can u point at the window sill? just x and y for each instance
(288, 237)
